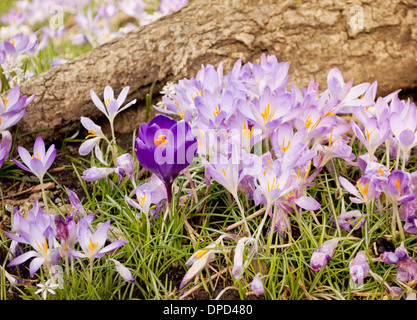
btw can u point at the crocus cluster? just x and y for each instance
(54, 238)
(267, 140)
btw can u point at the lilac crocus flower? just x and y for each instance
(348, 219)
(257, 285)
(123, 271)
(202, 257)
(76, 204)
(92, 244)
(407, 266)
(238, 267)
(169, 6)
(359, 267)
(165, 147)
(5, 146)
(40, 161)
(375, 134)
(19, 44)
(95, 173)
(125, 165)
(43, 253)
(96, 134)
(323, 254)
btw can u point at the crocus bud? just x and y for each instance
(322, 255)
(125, 165)
(359, 267)
(257, 285)
(61, 228)
(123, 271)
(76, 203)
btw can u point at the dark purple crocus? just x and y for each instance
(165, 147)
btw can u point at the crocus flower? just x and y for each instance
(202, 257)
(165, 147)
(349, 219)
(95, 133)
(238, 267)
(169, 6)
(92, 244)
(323, 254)
(5, 146)
(40, 161)
(95, 173)
(407, 266)
(125, 165)
(111, 106)
(367, 189)
(257, 285)
(76, 203)
(375, 134)
(123, 271)
(359, 267)
(43, 253)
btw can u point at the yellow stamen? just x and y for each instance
(364, 190)
(37, 156)
(246, 131)
(308, 123)
(216, 112)
(43, 247)
(92, 246)
(330, 113)
(12, 42)
(285, 148)
(397, 185)
(107, 101)
(308, 170)
(224, 172)
(265, 115)
(330, 139)
(142, 200)
(91, 134)
(181, 114)
(200, 253)
(5, 103)
(176, 103)
(162, 140)
(368, 134)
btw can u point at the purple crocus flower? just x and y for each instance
(238, 267)
(42, 242)
(359, 267)
(5, 146)
(95, 173)
(92, 244)
(323, 254)
(76, 203)
(19, 44)
(125, 165)
(165, 147)
(257, 285)
(40, 161)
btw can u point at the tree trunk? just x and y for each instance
(367, 40)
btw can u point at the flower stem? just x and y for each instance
(258, 234)
(242, 212)
(45, 199)
(271, 231)
(396, 217)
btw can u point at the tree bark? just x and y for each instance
(313, 36)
